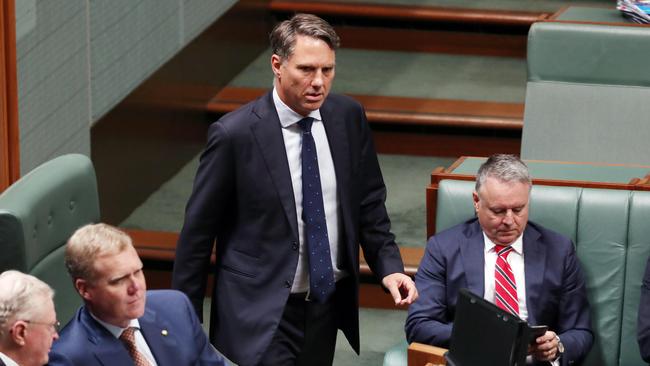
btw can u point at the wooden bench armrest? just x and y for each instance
(423, 354)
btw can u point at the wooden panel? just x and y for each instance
(445, 143)
(410, 13)
(421, 354)
(9, 143)
(374, 296)
(161, 247)
(399, 110)
(157, 251)
(414, 40)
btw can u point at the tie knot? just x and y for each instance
(128, 335)
(305, 124)
(503, 250)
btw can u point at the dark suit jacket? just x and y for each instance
(243, 197)
(555, 286)
(84, 341)
(643, 326)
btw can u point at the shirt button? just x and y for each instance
(287, 284)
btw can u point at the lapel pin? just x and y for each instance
(164, 332)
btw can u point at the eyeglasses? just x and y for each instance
(53, 326)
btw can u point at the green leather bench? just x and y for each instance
(38, 213)
(611, 231)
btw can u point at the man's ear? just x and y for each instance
(476, 199)
(18, 332)
(82, 288)
(276, 62)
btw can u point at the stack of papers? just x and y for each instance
(636, 10)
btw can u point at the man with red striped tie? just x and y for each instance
(520, 266)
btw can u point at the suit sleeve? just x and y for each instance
(643, 323)
(377, 241)
(204, 215)
(58, 359)
(207, 354)
(428, 321)
(574, 328)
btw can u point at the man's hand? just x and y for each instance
(545, 347)
(401, 287)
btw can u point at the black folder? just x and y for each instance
(484, 334)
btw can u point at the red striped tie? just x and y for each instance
(505, 287)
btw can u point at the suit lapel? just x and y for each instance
(161, 341)
(534, 268)
(337, 138)
(268, 136)
(108, 349)
(473, 257)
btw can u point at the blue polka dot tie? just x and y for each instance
(321, 275)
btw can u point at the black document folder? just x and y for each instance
(484, 334)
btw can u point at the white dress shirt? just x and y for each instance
(140, 342)
(292, 135)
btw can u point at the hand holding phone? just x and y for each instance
(536, 331)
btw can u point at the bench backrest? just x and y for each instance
(38, 214)
(611, 231)
(587, 93)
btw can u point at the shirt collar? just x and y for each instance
(517, 245)
(288, 116)
(7, 360)
(114, 329)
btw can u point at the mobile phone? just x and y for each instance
(536, 331)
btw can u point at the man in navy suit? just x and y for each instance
(121, 323)
(248, 195)
(28, 324)
(553, 291)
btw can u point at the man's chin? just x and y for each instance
(507, 239)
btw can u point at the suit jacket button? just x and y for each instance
(287, 284)
(294, 246)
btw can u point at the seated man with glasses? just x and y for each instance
(28, 324)
(121, 323)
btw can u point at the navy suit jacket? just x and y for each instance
(555, 286)
(243, 198)
(169, 325)
(643, 326)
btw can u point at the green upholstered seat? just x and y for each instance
(587, 93)
(38, 213)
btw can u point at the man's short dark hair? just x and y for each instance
(283, 36)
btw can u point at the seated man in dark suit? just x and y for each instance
(121, 322)
(28, 324)
(643, 325)
(519, 265)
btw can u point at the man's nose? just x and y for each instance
(317, 81)
(508, 218)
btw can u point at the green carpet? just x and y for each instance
(406, 178)
(412, 74)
